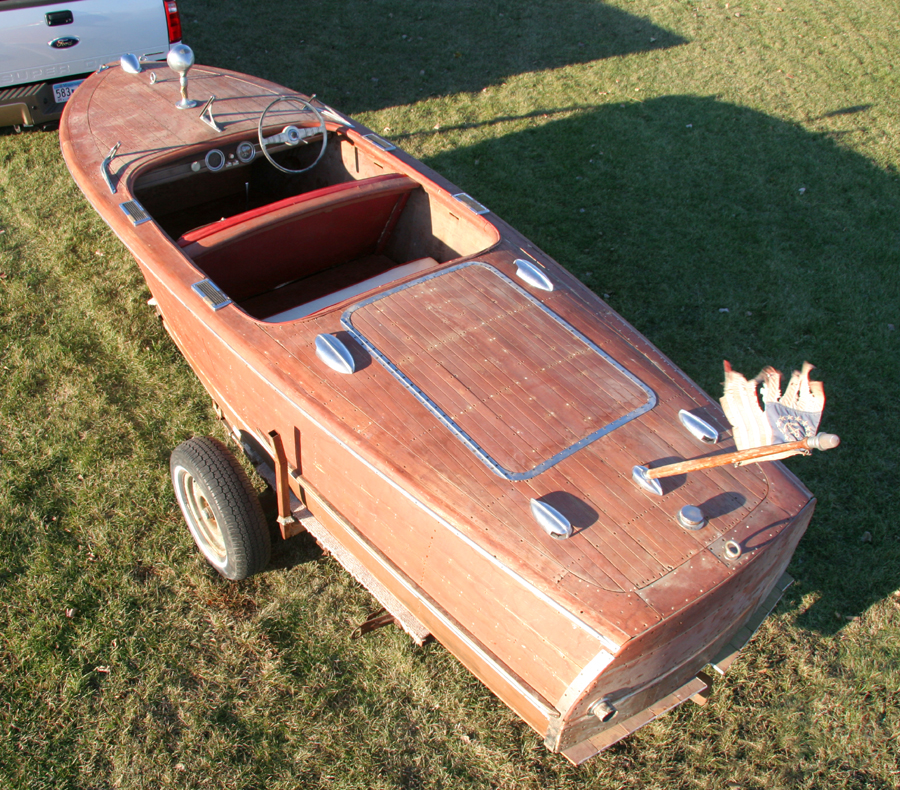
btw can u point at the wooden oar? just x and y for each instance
(822, 441)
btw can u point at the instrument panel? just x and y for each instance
(222, 157)
(213, 160)
(216, 159)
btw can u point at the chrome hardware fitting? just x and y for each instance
(691, 517)
(104, 167)
(732, 550)
(246, 152)
(206, 115)
(470, 203)
(554, 523)
(649, 484)
(210, 293)
(604, 710)
(290, 135)
(135, 212)
(180, 60)
(378, 140)
(332, 351)
(130, 64)
(328, 112)
(533, 275)
(698, 427)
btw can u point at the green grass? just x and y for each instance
(680, 158)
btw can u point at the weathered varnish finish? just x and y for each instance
(474, 394)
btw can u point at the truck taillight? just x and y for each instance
(173, 20)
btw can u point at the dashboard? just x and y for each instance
(223, 157)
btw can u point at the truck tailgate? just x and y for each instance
(34, 50)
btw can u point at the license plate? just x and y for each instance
(63, 90)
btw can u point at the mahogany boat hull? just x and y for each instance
(473, 392)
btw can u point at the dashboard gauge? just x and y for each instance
(246, 152)
(215, 160)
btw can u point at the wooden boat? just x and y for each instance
(446, 409)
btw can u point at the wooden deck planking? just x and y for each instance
(609, 544)
(637, 517)
(657, 534)
(597, 400)
(468, 356)
(510, 405)
(120, 109)
(646, 554)
(360, 408)
(490, 423)
(545, 334)
(512, 333)
(667, 542)
(641, 572)
(615, 386)
(404, 354)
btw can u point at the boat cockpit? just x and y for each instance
(286, 230)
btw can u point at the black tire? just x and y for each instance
(220, 507)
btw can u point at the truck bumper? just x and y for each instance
(29, 105)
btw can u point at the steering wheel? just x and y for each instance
(292, 135)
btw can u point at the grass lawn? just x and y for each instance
(725, 175)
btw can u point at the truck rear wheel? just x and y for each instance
(220, 507)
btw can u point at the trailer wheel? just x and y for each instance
(220, 507)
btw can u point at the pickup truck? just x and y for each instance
(48, 47)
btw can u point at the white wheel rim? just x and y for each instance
(201, 519)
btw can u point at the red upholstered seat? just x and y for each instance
(349, 190)
(258, 250)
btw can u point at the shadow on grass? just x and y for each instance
(722, 233)
(367, 55)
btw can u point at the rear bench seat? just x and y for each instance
(254, 252)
